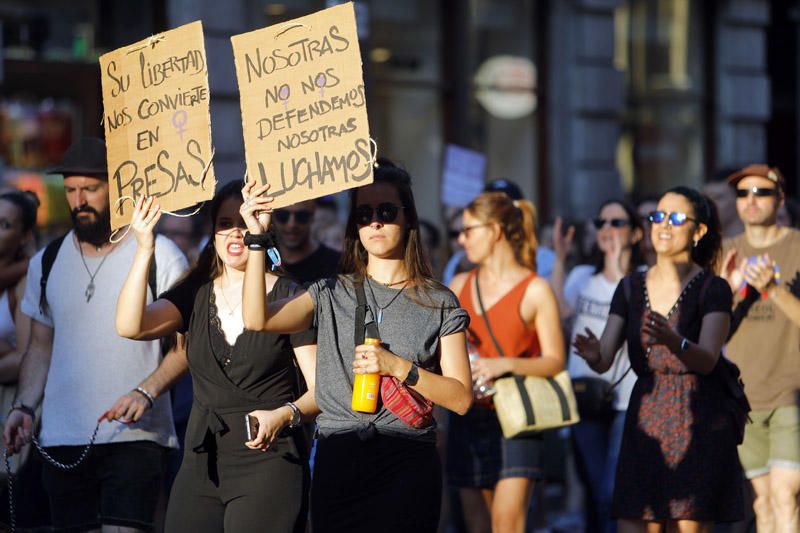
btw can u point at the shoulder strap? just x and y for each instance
(362, 329)
(48, 258)
(486, 318)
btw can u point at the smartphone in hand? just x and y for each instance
(251, 425)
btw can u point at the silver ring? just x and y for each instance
(246, 202)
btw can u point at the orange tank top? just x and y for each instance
(514, 336)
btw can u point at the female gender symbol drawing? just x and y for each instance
(283, 94)
(320, 82)
(179, 119)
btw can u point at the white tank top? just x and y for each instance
(7, 329)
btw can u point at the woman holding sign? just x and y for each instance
(373, 472)
(245, 383)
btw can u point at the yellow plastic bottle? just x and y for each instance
(366, 388)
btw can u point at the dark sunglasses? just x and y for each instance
(760, 192)
(301, 217)
(386, 213)
(675, 218)
(615, 222)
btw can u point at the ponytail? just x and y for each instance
(516, 218)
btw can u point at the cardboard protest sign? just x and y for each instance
(157, 122)
(304, 113)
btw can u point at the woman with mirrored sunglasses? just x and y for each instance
(584, 299)
(374, 472)
(509, 302)
(678, 467)
(231, 478)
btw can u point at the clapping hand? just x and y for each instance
(587, 347)
(732, 272)
(659, 331)
(760, 273)
(562, 240)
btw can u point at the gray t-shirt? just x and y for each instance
(408, 329)
(91, 365)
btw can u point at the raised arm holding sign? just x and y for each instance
(157, 122)
(304, 112)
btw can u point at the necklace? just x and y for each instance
(390, 283)
(381, 309)
(89, 292)
(231, 309)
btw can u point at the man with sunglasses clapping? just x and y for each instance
(763, 267)
(305, 259)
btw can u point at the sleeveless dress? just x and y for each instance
(678, 459)
(478, 456)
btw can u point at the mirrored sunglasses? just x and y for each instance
(676, 218)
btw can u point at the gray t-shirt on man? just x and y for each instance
(409, 329)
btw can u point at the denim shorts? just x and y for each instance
(118, 484)
(478, 456)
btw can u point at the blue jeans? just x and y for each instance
(597, 444)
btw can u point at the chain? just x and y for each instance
(49, 458)
(10, 481)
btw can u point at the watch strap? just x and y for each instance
(413, 375)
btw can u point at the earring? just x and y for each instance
(695, 243)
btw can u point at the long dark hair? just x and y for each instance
(597, 257)
(708, 251)
(27, 203)
(354, 255)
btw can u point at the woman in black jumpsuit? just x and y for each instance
(225, 483)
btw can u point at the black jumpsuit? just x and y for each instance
(222, 485)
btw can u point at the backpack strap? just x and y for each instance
(48, 258)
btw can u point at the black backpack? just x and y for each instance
(49, 257)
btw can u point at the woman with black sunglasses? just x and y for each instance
(678, 468)
(372, 472)
(584, 299)
(515, 329)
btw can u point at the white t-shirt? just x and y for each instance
(91, 365)
(590, 296)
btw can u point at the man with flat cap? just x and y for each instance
(78, 366)
(763, 267)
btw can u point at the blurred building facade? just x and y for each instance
(575, 100)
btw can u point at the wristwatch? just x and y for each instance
(684, 345)
(413, 376)
(296, 414)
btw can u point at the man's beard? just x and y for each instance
(97, 232)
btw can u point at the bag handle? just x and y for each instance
(486, 318)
